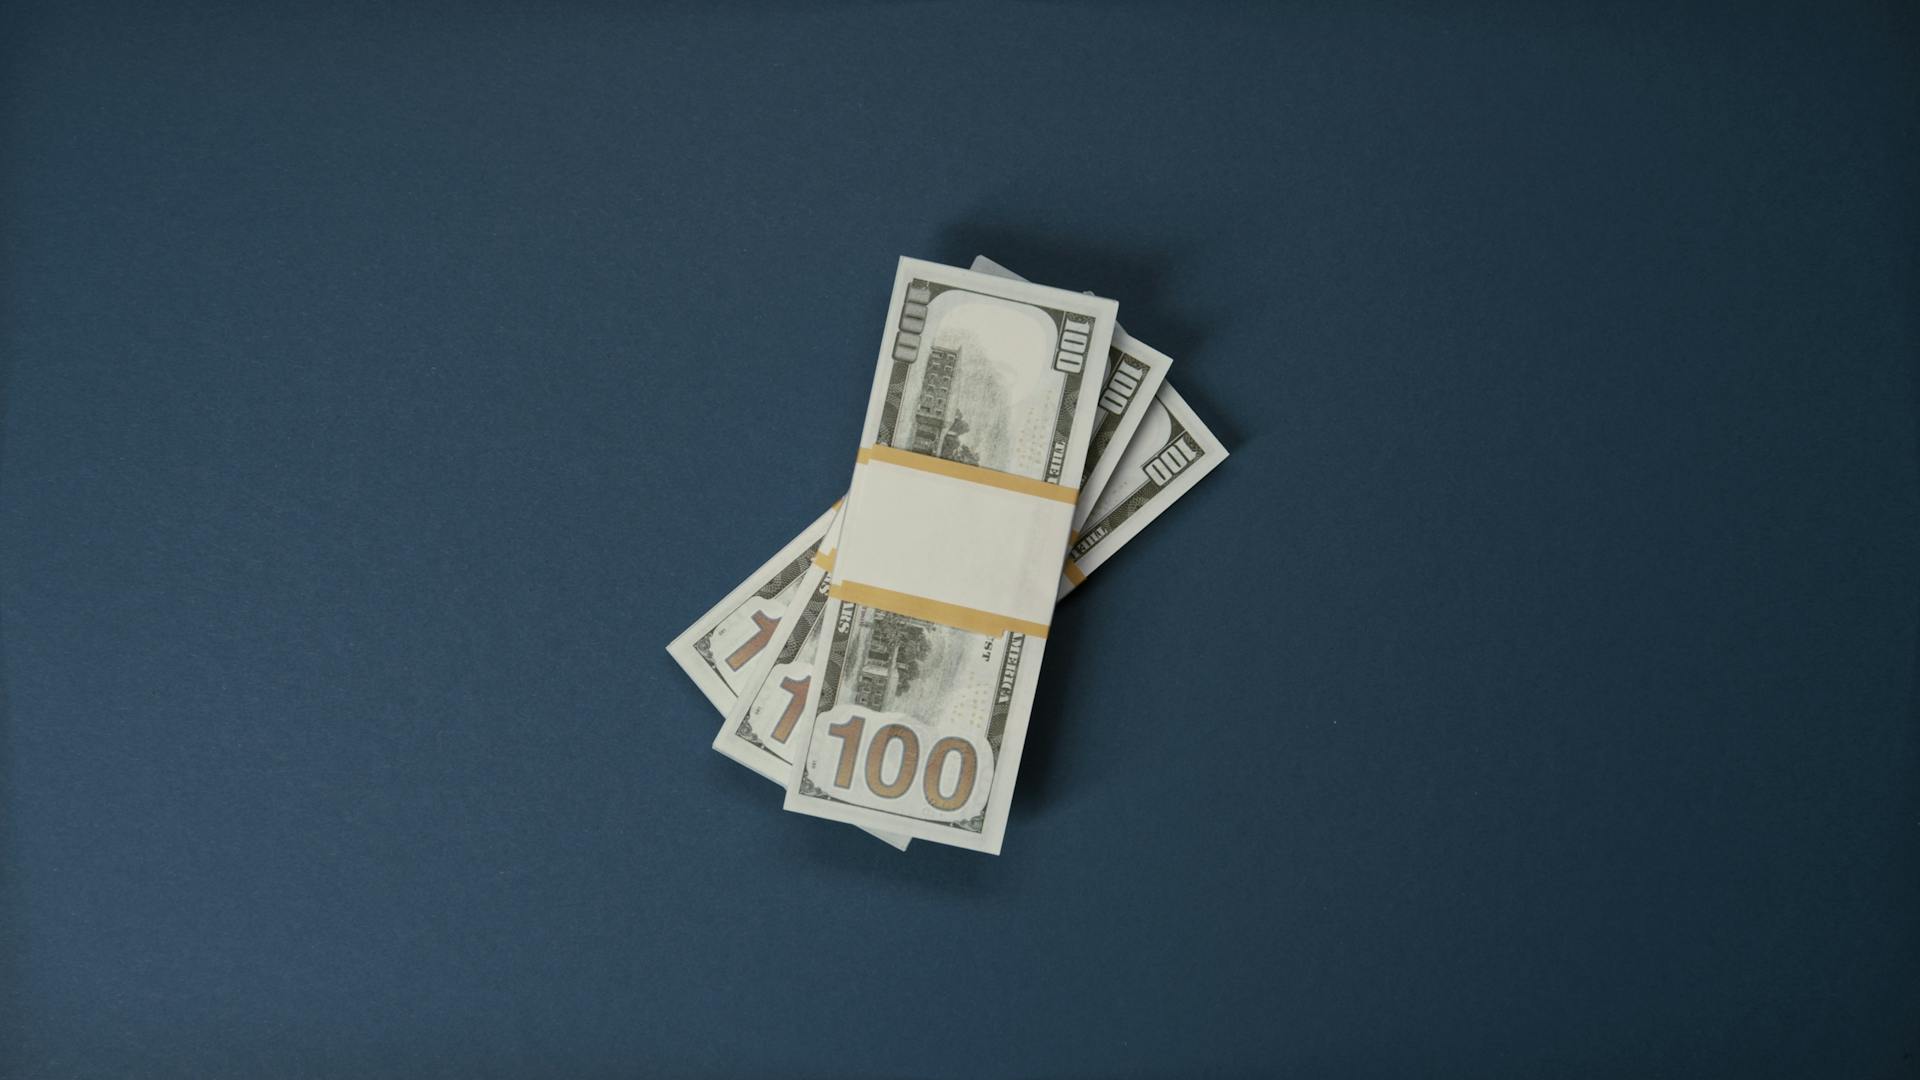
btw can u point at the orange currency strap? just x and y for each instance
(973, 474)
(972, 620)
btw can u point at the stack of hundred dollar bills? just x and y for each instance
(881, 666)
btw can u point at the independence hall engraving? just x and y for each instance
(931, 432)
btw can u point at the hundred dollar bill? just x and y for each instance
(1134, 372)
(918, 705)
(718, 648)
(1169, 454)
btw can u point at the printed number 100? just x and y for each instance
(850, 732)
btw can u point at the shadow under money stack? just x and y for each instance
(882, 665)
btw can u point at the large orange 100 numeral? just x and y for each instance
(877, 757)
(751, 647)
(796, 701)
(849, 732)
(969, 765)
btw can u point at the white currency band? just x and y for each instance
(953, 541)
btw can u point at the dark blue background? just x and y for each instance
(1533, 693)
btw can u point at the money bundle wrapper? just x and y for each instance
(1015, 439)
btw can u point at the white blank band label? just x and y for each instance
(953, 541)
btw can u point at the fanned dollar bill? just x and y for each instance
(720, 646)
(1169, 454)
(918, 705)
(759, 728)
